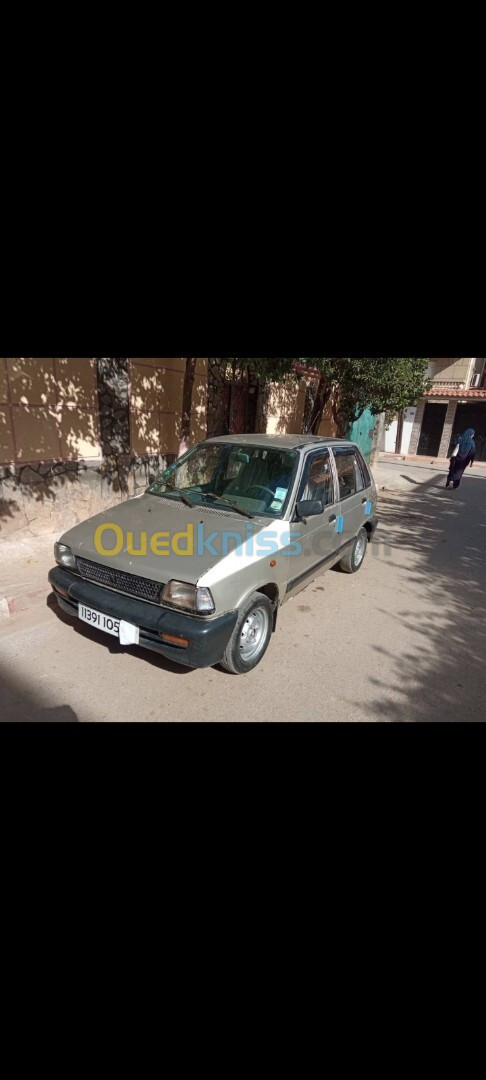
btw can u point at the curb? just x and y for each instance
(12, 605)
(421, 462)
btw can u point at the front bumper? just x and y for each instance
(207, 638)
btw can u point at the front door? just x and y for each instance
(317, 537)
(432, 428)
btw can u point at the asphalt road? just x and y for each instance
(403, 640)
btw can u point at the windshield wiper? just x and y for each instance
(176, 491)
(231, 502)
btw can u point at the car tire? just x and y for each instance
(251, 636)
(354, 560)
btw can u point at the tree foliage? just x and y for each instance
(383, 384)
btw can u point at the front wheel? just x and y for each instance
(354, 560)
(251, 636)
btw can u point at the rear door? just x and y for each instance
(354, 492)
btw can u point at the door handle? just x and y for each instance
(332, 518)
(364, 501)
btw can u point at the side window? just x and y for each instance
(317, 481)
(350, 477)
(364, 469)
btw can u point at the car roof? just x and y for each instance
(281, 442)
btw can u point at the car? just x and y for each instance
(197, 567)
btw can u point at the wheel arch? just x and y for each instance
(271, 590)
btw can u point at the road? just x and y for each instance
(403, 640)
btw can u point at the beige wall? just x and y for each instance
(156, 387)
(285, 410)
(452, 370)
(48, 409)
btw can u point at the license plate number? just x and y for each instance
(102, 622)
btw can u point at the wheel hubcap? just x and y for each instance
(359, 551)
(253, 634)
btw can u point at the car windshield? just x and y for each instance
(257, 479)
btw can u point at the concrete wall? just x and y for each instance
(156, 387)
(389, 438)
(285, 407)
(48, 409)
(78, 434)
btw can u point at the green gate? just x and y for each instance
(361, 433)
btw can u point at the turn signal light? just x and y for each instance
(172, 640)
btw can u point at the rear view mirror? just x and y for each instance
(309, 508)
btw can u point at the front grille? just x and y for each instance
(143, 588)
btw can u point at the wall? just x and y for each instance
(285, 407)
(389, 438)
(48, 409)
(156, 387)
(78, 434)
(451, 370)
(50, 442)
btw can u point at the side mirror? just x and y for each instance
(309, 508)
(152, 478)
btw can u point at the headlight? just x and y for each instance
(188, 598)
(64, 556)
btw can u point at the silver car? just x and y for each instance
(197, 567)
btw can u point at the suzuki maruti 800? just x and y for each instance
(197, 567)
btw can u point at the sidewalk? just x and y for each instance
(397, 474)
(422, 462)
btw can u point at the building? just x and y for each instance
(456, 401)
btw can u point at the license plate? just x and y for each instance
(102, 622)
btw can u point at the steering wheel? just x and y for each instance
(259, 487)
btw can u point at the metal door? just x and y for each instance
(471, 416)
(432, 428)
(361, 433)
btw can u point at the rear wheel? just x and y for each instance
(251, 637)
(354, 560)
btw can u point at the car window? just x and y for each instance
(258, 478)
(364, 469)
(350, 478)
(318, 481)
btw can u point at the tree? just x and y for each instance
(189, 376)
(383, 384)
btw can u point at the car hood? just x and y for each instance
(203, 544)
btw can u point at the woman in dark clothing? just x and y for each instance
(465, 456)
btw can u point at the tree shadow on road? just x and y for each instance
(437, 543)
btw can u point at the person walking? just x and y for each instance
(466, 452)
